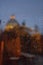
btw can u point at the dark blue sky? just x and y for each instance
(29, 10)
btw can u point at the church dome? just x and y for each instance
(11, 23)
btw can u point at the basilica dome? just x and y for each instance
(11, 23)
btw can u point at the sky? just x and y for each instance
(29, 10)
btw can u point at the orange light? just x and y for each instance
(12, 17)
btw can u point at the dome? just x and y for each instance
(11, 23)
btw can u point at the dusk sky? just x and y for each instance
(29, 10)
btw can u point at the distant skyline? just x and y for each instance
(29, 10)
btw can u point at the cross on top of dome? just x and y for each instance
(12, 17)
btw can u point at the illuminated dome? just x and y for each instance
(11, 23)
